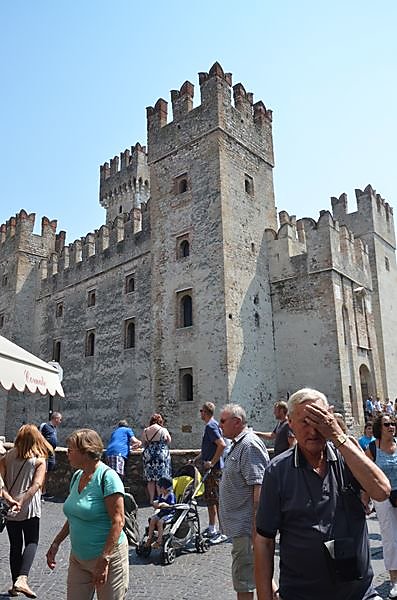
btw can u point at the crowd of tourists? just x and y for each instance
(315, 493)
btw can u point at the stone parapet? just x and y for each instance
(59, 480)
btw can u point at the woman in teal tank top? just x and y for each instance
(94, 511)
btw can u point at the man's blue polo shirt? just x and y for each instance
(305, 509)
(212, 433)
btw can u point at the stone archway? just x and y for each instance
(366, 383)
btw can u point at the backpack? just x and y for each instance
(131, 528)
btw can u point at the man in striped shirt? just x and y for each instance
(239, 494)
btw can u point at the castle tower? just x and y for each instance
(323, 321)
(373, 224)
(20, 254)
(211, 200)
(124, 182)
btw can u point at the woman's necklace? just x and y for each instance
(85, 480)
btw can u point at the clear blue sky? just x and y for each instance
(77, 76)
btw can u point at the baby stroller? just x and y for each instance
(184, 526)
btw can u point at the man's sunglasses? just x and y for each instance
(389, 424)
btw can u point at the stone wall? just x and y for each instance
(59, 480)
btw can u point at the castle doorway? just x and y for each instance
(365, 383)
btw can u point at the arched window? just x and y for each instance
(120, 209)
(91, 298)
(90, 343)
(184, 249)
(186, 311)
(56, 352)
(187, 387)
(129, 339)
(129, 284)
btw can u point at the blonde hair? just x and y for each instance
(30, 443)
(87, 441)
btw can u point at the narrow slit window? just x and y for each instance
(129, 335)
(90, 343)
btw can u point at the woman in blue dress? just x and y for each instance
(156, 454)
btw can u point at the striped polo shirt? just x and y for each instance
(244, 467)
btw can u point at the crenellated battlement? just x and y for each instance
(307, 246)
(124, 182)
(373, 214)
(126, 236)
(17, 235)
(249, 121)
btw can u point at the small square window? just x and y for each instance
(59, 310)
(130, 283)
(181, 184)
(91, 298)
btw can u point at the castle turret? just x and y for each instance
(373, 224)
(324, 323)
(124, 182)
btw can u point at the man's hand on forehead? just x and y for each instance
(322, 419)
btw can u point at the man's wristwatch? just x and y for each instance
(340, 440)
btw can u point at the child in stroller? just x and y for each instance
(164, 502)
(183, 527)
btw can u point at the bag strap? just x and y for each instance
(153, 436)
(13, 483)
(103, 480)
(72, 481)
(372, 449)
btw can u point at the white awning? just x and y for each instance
(22, 369)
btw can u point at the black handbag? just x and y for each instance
(393, 498)
(4, 508)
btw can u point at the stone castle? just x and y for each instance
(194, 289)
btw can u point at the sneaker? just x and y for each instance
(209, 532)
(218, 538)
(393, 591)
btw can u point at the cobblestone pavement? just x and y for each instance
(191, 576)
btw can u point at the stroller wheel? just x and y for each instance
(169, 555)
(204, 545)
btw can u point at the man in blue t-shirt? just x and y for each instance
(121, 442)
(212, 448)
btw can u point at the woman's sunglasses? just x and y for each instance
(389, 424)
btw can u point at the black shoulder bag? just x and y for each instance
(341, 553)
(4, 506)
